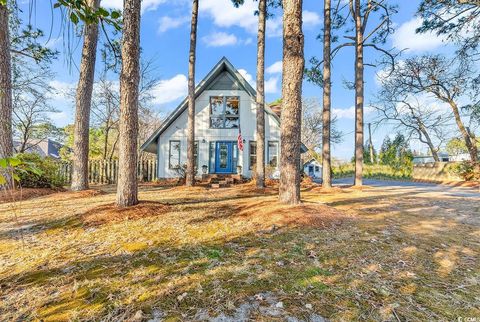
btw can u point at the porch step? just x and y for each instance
(215, 178)
(217, 181)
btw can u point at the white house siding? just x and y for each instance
(178, 131)
(317, 169)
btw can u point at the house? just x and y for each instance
(443, 156)
(313, 169)
(44, 147)
(224, 106)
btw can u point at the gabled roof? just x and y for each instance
(223, 65)
(312, 160)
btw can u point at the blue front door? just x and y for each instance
(224, 157)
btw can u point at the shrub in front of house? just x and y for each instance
(46, 176)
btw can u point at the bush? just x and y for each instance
(468, 170)
(47, 175)
(374, 171)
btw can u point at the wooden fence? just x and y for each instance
(106, 171)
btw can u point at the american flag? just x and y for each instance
(240, 139)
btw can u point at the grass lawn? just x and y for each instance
(236, 254)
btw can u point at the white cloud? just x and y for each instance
(405, 37)
(113, 4)
(271, 85)
(248, 77)
(169, 90)
(311, 19)
(220, 39)
(224, 14)
(275, 68)
(166, 23)
(61, 119)
(274, 27)
(61, 90)
(147, 5)
(349, 113)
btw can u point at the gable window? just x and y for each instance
(174, 155)
(273, 153)
(224, 112)
(252, 156)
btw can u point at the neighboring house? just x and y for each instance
(44, 148)
(313, 169)
(460, 157)
(443, 156)
(224, 105)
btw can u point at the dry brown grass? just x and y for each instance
(24, 194)
(193, 253)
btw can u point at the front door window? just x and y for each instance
(223, 162)
(225, 157)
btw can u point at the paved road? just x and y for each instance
(416, 186)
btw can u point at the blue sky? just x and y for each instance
(227, 31)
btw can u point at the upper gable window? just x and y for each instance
(224, 112)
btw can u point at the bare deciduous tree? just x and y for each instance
(31, 104)
(447, 81)
(312, 125)
(291, 118)
(426, 123)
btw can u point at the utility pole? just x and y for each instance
(370, 143)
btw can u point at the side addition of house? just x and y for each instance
(224, 105)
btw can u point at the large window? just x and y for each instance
(252, 156)
(174, 155)
(195, 154)
(211, 158)
(273, 153)
(224, 112)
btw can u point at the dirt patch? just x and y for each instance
(332, 190)
(111, 213)
(318, 216)
(25, 194)
(80, 194)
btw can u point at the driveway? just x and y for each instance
(417, 187)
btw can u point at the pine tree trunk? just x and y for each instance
(327, 98)
(6, 139)
(358, 96)
(260, 166)
(127, 190)
(190, 176)
(6, 107)
(291, 119)
(83, 102)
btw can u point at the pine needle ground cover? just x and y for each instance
(235, 254)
